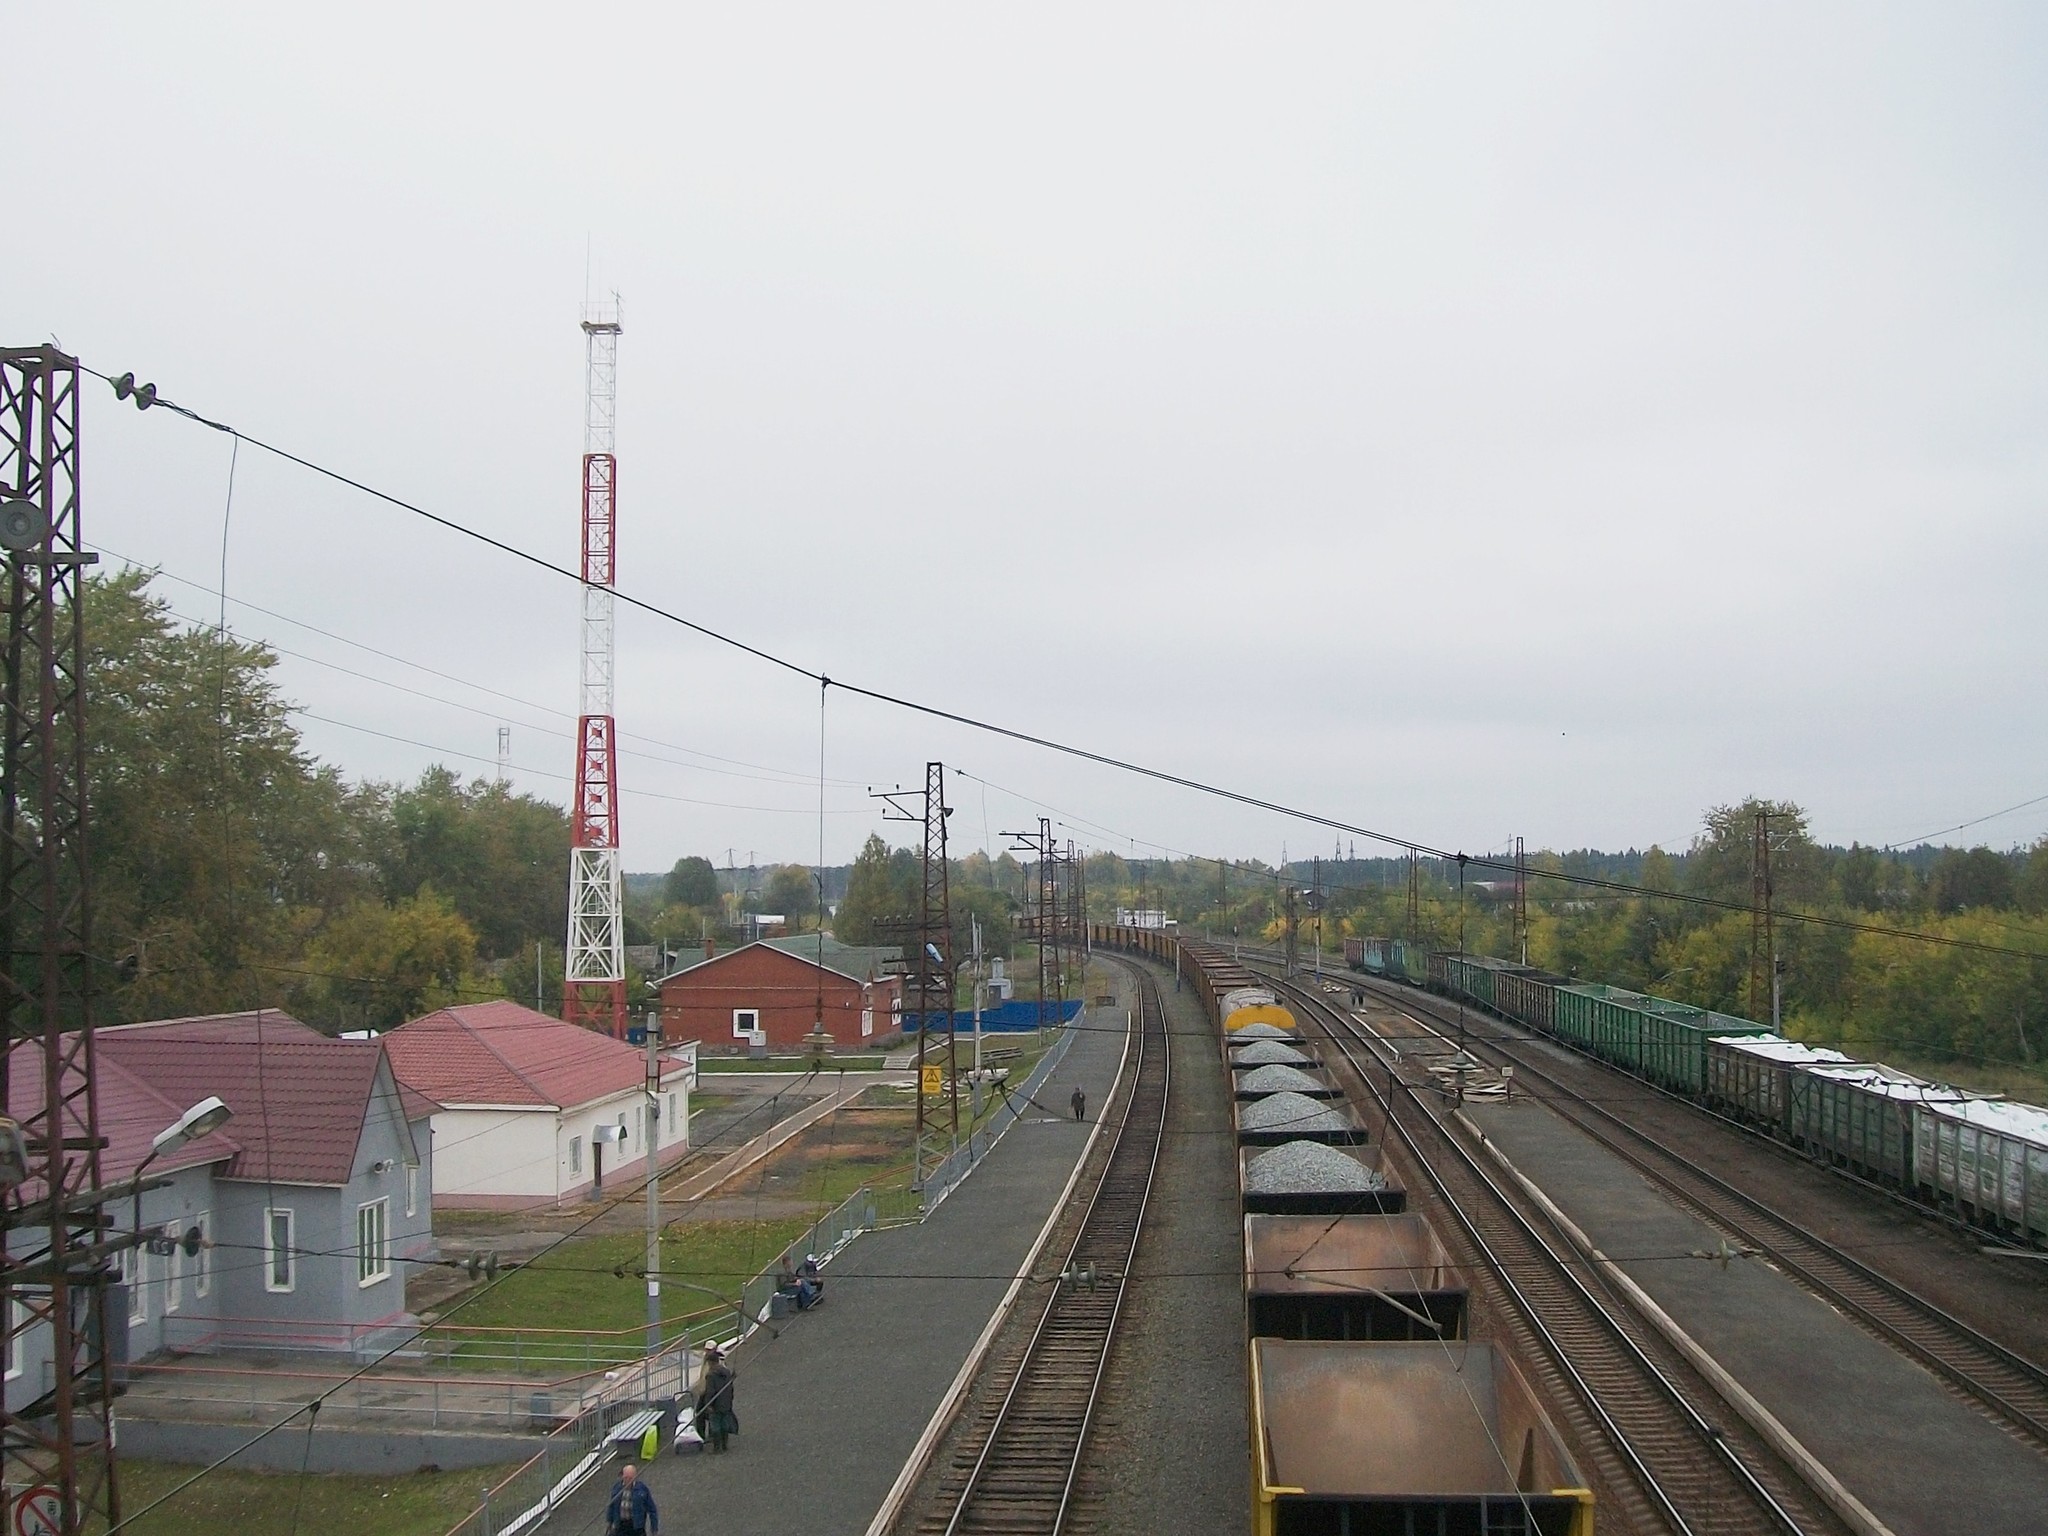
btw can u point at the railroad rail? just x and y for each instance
(2011, 1387)
(1671, 1457)
(1031, 1443)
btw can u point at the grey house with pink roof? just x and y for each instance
(302, 1215)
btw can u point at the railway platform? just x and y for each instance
(832, 1402)
(1920, 1458)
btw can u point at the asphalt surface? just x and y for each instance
(1922, 1460)
(831, 1406)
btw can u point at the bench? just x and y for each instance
(627, 1433)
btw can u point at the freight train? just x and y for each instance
(1983, 1158)
(1376, 1408)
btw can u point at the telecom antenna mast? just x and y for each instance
(594, 993)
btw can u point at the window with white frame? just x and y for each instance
(174, 1270)
(373, 1242)
(746, 1024)
(671, 1114)
(412, 1189)
(575, 1154)
(135, 1272)
(202, 1261)
(17, 1333)
(280, 1256)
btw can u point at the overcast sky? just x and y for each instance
(1461, 422)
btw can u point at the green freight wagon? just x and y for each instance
(1478, 977)
(1658, 1040)
(1408, 961)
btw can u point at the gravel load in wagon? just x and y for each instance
(1276, 1078)
(1260, 1032)
(1308, 1178)
(1268, 1053)
(1293, 1116)
(1301, 1167)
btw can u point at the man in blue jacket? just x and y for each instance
(631, 1511)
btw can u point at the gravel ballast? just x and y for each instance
(1276, 1078)
(1269, 1053)
(1309, 1167)
(1261, 1032)
(1290, 1112)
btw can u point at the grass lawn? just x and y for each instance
(407, 1504)
(570, 1310)
(866, 1062)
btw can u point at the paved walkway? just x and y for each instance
(1923, 1461)
(831, 1405)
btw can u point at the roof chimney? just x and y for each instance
(710, 947)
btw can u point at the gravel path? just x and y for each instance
(1172, 1436)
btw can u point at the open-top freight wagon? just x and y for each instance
(1373, 1409)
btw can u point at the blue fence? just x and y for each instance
(1012, 1017)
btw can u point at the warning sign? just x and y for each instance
(39, 1512)
(934, 1080)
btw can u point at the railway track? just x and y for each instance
(1026, 1455)
(1669, 1452)
(2011, 1387)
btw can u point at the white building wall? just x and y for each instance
(494, 1157)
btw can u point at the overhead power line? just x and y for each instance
(1031, 738)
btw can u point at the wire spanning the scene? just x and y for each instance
(1052, 744)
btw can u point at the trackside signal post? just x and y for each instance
(594, 984)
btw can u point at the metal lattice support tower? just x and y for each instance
(54, 1256)
(1292, 927)
(594, 986)
(1762, 957)
(938, 1128)
(1414, 896)
(1049, 988)
(1521, 902)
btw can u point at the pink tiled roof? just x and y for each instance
(131, 1112)
(503, 1053)
(300, 1099)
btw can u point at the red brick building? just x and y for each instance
(768, 993)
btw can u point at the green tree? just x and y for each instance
(212, 829)
(792, 892)
(374, 966)
(692, 883)
(1720, 859)
(2031, 887)
(880, 886)
(500, 859)
(1964, 878)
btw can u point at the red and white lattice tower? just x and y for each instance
(594, 991)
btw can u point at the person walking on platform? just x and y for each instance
(716, 1419)
(631, 1511)
(1080, 1103)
